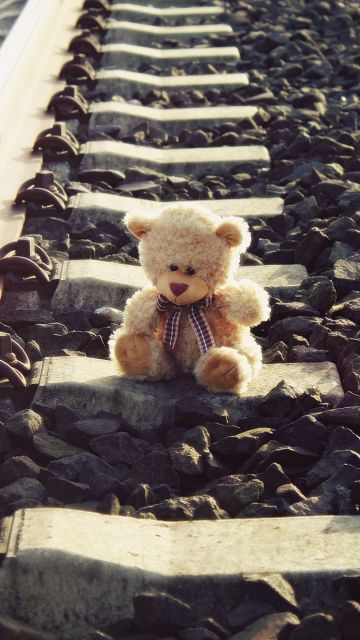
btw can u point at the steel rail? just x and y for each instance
(30, 58)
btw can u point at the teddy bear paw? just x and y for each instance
(133, 354)
(228, 371)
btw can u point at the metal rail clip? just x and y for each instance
(43, 189)
(14, 362)
(68, 103)
(100, 5)
(92, 22)
(58, 141)
(85, 43)
(79, 69)
(25, 257)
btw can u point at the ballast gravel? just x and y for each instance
(300, 457)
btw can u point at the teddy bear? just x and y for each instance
(194, 317)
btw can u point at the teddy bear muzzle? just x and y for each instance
(178, 288)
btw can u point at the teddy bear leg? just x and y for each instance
(223, 369)
(140, 357)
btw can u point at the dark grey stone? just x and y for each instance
(279, 401)
(276, 626)
(330, 463)
(190, 413)
(197, 633)
(309, 248)
(306, 209)
(242, 444)
(288, 456)
(290, 493)
(198, 437)
(44, 334)
(141, 496)
(51, 447)
(66, 490)
(5, 442)
(277, 353)
(185, 459)
(88, 469)
(322, 295)
(274, 589)
(286, 328)
(83, 431)
(154, 468)
(161, 610)
(64, 419)
(25, 489)
(345, 476)
(302, 353)
(202, 507)
(347, 274)
(18, 467)
(342, 438)
(25, 424)
(273, 477)
(306, 432)
(317, 625)
(119, 448)
(347, 618)
(109, 504)
(248, 612)
(218, 430)
(313, 506)
(235, 492)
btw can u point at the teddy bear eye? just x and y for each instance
(173, 267)
(190, 271)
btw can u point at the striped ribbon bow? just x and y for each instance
(196, 316)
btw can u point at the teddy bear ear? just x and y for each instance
(138, 223)
(235, 232)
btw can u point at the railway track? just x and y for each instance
(159, 510)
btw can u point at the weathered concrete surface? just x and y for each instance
(129, 9)
(90, 386)
(124, 114)
(112, 154)
(131, 55)
(90, 284)
(112, 207)
(126, 82)
(133, 32)
(65, 567)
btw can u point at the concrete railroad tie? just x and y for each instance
(130, 9)
(124, 114)
(131, 55)
(133, 32)
(125, 83)
(57, 554)
(109, 207)
(91, 385)
(104, 154)
(91, 284)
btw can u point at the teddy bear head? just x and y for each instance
(187, 251)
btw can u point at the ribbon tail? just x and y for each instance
(172, 329)
(203, 333)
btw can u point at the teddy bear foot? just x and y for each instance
(224, 370)
(132, 354)
(140, 357)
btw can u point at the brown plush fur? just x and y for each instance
(192, 247)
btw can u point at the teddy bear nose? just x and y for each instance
(178, 288)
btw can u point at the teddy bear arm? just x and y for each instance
(141, 314)
(244, 302)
